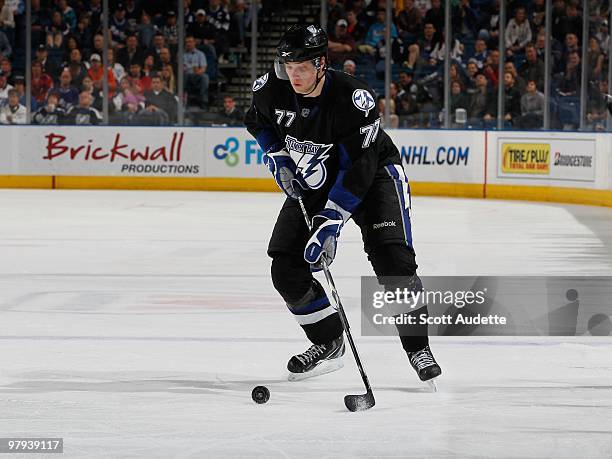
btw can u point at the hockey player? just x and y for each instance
(320, 131)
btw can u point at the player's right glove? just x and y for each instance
(285, 172)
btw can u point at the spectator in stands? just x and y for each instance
(13, 112)
(595, 60)
(71, 43)
(52, 113)
(132, 13)
(532, 107)
(117, 69)
(464, 21)
(167, 74)
(4, 89)
(158, 99)
(335, 12)
(95, 11)
(189, 14)
(375, 38)
(48, 67)
(41, 83)
(68, 15)
(204, 33)
(483, 104)
(532, 68)
(96, 73)
(127, 101)
(159, 42)
(56, 31)
(170, 30)
(84, 114)
(436, 57)
(196, 79)
(570, 46)
(146, 30)
(341, 45)
(603, 37)
(480, 53)
(407, 84)
(459, 99)
(419, 53)
(67, 92)
(5, 47)
(118, 25)
(537, 13)
(393, 121)
(407, 111)
(219, 17)
(20, 88)
(491, 69)
(518, 33)
(409, 23)
(139, 82)
(40, 20)
(96, 94)
(77, 66)
(148, 68)
(512, 100)
(435, 15)
(98, 46)
(355, 29)
(457, 74)
(519, 82)
(130, 53)
(238, 22)
(165, 58)
(231, 115)
(349, 67)
(571, 22)
(540, 45)
(7, 69)
(568, 82)
(471, 72)
(83, 33)
(597, 109)
(7, 20)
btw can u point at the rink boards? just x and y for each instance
(543, 166)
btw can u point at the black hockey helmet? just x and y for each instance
(300, 43)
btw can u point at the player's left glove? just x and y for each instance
(326, 226)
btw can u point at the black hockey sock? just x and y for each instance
(414, 337)
(318, 319)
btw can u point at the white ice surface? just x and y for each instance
(135, 324)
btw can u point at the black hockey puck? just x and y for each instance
(260, 394)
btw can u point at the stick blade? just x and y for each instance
(359, 402)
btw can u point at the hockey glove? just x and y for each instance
(326, 226)
(285, 173)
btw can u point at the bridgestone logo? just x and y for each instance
(573, 160)
(382, 225)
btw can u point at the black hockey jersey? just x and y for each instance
(335, 139)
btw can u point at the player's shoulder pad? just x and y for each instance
(355, 94)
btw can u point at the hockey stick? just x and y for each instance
(353, 402)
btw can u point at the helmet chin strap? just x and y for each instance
(319, 78)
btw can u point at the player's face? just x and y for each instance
(302, 75)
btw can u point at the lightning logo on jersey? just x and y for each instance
(310, 159)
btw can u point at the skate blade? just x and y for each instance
(431, 383)
(325, 367)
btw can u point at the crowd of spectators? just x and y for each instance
(67, 71)
(357, 39)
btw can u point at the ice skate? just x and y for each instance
(426, 366)
(318, 360)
